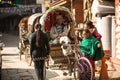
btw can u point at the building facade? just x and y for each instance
(11, 11)
(116, 37)
(107, 18)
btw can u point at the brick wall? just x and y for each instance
(115, 59)
(117, 28)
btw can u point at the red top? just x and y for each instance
(97, 35)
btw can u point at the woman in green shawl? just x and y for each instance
(89, 43)
(91, 47)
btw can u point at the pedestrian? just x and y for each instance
(89, 25)
(91, 47)
(39, 50)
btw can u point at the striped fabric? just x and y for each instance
(39, 58)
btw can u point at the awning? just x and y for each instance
(32, 18)
(103, 8)
(21, 9)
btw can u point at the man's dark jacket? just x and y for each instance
(41, 51)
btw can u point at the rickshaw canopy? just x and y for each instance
(49, 17)
(32, 18)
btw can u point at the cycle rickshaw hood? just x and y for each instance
(49, 17)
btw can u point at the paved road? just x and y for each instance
(14, 69)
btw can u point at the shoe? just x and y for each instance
(65, 74)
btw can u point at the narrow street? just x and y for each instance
(12, 67)
(58, 18)
(15, 69)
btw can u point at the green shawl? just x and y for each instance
(88, 46)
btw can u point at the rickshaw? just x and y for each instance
(23, 39)
(47, 21)
(24, 45)
(82, 66)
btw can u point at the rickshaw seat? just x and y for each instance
(53, 47)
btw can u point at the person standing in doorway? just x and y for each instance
(39, 50)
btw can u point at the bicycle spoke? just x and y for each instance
(83, 69)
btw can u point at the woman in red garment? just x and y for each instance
(89, 25)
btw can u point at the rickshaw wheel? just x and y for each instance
(83, 69)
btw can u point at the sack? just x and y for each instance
(99, 54)
(66, 49)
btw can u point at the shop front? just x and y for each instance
(115, 59)
(108, 24)
(10, 16)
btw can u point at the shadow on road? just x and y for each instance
(10, 40)
(23, 74)
(18, 74)
(8, 54)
